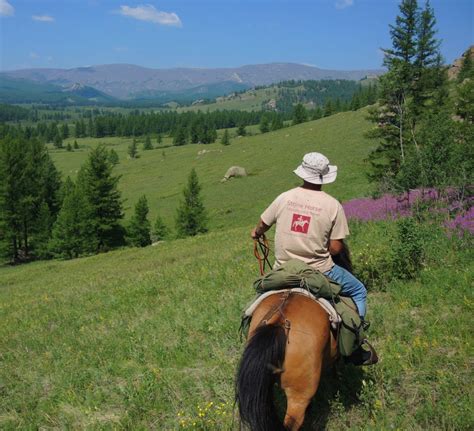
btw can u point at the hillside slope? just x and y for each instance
(269, 159)
(14, 90)
(148, 339)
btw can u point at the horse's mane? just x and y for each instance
(344, 258)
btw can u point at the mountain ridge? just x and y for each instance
(124, 80)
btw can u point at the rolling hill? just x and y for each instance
(270, 158)
(14, 90)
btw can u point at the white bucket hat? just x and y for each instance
(315, 169)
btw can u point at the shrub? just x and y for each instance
(408, 250)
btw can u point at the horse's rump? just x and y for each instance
(292, 345)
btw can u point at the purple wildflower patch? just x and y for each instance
(462, 224)
(390, 207)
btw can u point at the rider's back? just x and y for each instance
(305, 221)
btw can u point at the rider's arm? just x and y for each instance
(259, 230)
(335, 246)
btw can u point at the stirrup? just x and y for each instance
(373, 359)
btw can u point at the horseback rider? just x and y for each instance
(311, 226)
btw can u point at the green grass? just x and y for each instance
(269, 159)
(141, 338)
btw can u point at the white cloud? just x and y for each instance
(43, 18)
(151, 14)
(342, 4)
(34, 55)
(6, 8)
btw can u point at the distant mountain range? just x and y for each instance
(126, 81)
(13, 90)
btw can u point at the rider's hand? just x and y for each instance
(254, 234)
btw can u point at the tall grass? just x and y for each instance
(147, 339)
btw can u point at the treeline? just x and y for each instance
(342, 93)
(184, 127)
(42, 217)
(34, 114)
(423, 124)
(13, 113)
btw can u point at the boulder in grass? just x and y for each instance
(234, 171)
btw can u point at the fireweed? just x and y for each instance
(458, 213)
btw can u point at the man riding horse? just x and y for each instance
(311, 226)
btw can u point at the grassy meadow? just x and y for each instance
(269, 159)
(251, 100)
(148, 338)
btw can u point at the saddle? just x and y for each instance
(334, 318)
(296, 274)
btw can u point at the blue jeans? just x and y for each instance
(350, 287)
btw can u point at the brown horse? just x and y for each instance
(290, 342)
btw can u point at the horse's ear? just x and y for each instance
(343, 259)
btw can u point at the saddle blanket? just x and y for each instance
(334, 318)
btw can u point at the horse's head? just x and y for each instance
(343, 259)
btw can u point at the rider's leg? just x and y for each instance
(351, 286)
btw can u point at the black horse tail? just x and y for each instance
(259, 369)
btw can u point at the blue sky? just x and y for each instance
(331, 34)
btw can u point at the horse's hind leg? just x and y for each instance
(295, 411)
(299, 390)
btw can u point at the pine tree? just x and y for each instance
(403, 34)
(65, 131)
(147, 145)
(317, 114)
(191, 218)
(12, 191)
(68, 147)
(241, 131)
(196, 132)
(99, 186)
(138, 231)
(181, 136)
(428, 70)
(225, 140)
(393, 115)
(264, 124)
(76, 146)
(328, 108)
(277, 122)
(113, 157)
(355, 102)
(159, 139)
(410, 94)
(29, 185)
(132, 149)
(300, 115)
(57, 141)
(160, 230)
(73, 231)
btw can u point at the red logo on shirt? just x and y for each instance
(300, 223)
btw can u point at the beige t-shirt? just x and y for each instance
(305, 222)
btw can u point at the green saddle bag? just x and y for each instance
(295, 273)
(351, 329)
